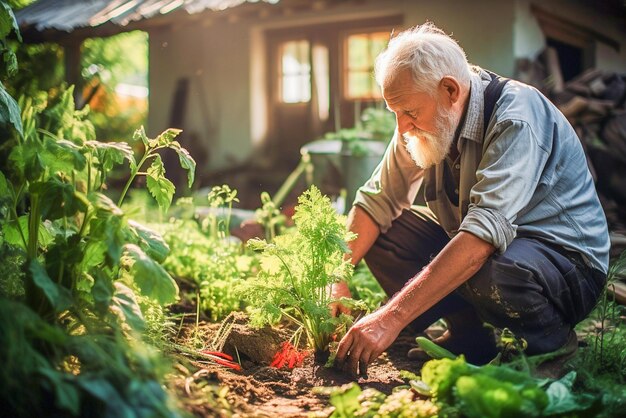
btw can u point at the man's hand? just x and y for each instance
(337, 291)
(366, 340)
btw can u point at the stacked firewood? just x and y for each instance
(595, 104)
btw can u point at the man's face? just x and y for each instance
(426, 123)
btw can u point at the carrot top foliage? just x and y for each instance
(297, 270)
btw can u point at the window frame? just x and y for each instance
(279, 67)
(344, 78)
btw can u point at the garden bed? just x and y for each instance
(259, 390)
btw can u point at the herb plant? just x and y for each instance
(89, 275)
(297, 269)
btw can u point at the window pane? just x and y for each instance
(295, 72)
(362, 85)
(296, 88)
(357, 52)
(362, 50)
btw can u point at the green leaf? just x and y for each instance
(114, 404)
(150, 276)
(107, 227)
(9, 60)
(158, 185)
(9, 111)
(62, 155)
(124, 304)
(66, 394)
(345, 400)
(94, 254)
(165, 138)
(561, 399)
(140, 135)
(102, 291)
(150, 241)
(11, 231)
(58, 199)
(59, 297)
(186, 161)
(8, 22)
(112, 153)
(6, 191)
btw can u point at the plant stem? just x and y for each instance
(133, 174)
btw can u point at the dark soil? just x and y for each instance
(263, 391)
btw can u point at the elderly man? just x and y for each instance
(513, 235)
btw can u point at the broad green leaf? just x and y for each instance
(62, 155)
(66, 394)
(6, 191)
(9, 110)
(112, 153)
(158, 185)
(102, 290)
(107, 227)
(59, 297)
(11, 231)
(150, 276)
(103, 204)
(186, 161)
(124, 304)
(8, 22)
(58, 199)
(26, 160)
(150, 241)
(113, 403)
(563, 401)
(94, 254)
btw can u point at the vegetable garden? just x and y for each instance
(126, 303)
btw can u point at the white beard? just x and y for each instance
(428, 149)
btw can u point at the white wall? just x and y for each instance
(215, 57)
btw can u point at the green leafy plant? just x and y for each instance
(217, 222)
(158, 185)
(374, 124)
(351, 401)
(269, 216)
(90, 275)
(297, 269)
(214, 267)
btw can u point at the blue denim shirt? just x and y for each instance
(527, 176)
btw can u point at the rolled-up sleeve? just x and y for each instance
(507, 178)
(392, 187)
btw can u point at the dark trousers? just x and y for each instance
(536, 290)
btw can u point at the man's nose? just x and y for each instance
(405, 124)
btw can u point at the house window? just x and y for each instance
(295, 75)
(362, 49)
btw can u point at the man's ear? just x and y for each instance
(451, 89)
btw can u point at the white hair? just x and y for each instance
(428, 52)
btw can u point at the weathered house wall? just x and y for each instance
(226, 62)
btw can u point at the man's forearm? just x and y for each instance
(367, 231)
(459, 260)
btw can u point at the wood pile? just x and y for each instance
(594, 103)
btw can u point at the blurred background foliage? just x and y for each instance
(114, 78)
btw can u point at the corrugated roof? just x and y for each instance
(67, 15)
